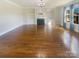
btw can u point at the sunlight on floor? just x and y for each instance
(74, 46)
(71, 42)
(66, 39)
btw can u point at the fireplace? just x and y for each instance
(40, 21)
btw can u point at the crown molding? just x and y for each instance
(13, 3)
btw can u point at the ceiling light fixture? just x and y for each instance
(42, 3)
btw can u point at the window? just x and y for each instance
(68, 18)
(67, 14)
(72, 13)
(76, 15)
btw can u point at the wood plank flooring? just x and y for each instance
(30, 41)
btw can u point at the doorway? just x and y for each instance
(40, 21)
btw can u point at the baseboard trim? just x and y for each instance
(1, 34)
(30, 24)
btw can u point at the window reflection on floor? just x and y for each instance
(66, 39)
(75, 46)
(71, 42)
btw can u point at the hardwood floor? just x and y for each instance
(40, 42)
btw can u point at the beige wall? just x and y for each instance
(10, 17)
(29, 16)
(57, 15)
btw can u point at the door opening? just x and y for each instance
(40, 21)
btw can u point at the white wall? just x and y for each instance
(29, 16)
(10, 17)
(56, 14)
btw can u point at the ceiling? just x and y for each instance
(35, 3)
(28, 3)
